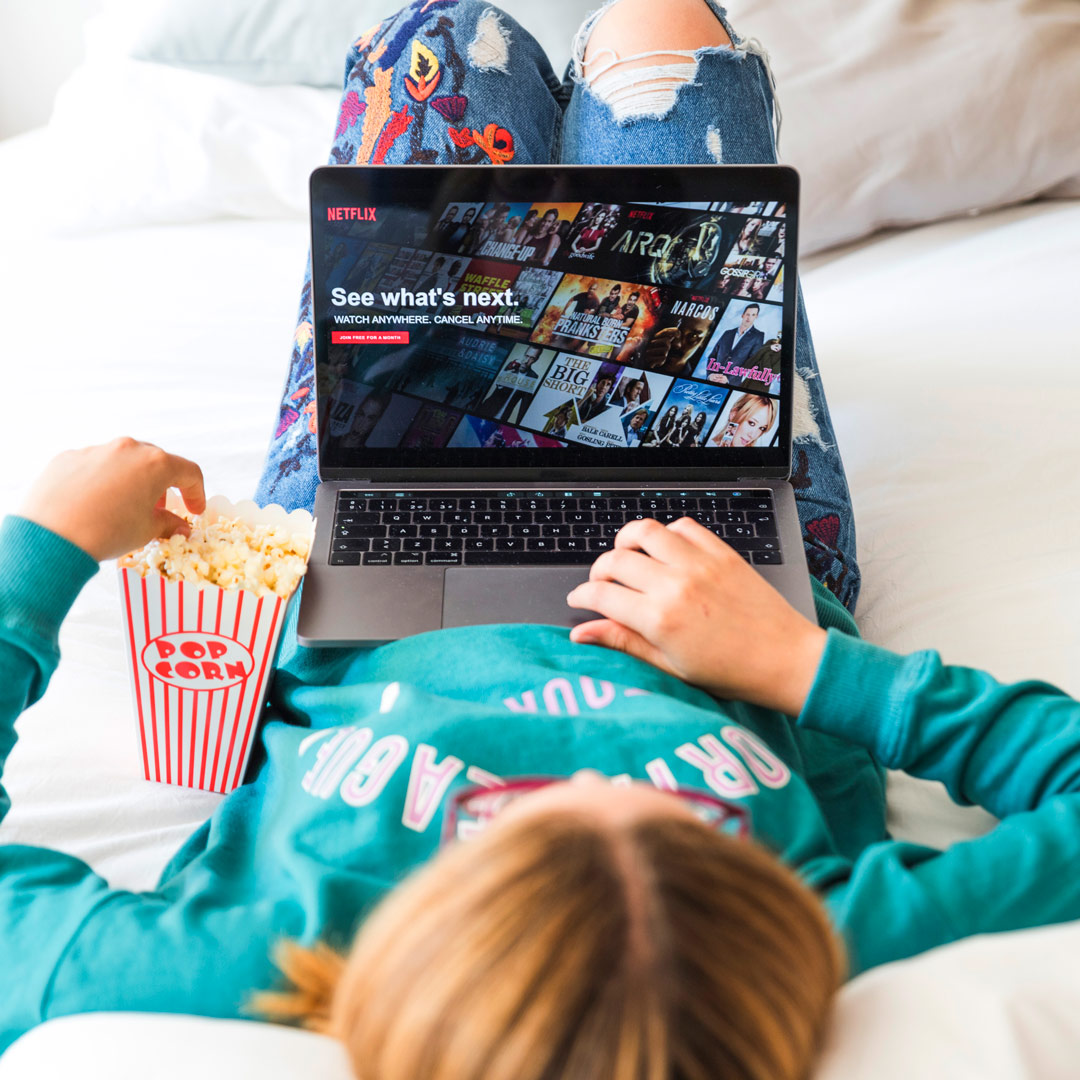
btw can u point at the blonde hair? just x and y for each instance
(749, 403)
(558, 948)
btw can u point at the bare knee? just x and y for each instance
(639, 26)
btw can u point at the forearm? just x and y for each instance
(40, 576)
(1007, 748)
(901, 899)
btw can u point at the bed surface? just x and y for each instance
(960, 462)
(949, 358)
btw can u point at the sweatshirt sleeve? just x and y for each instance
(1014, 749)
(68, 941)
(1007, 748)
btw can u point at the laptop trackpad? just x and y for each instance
(500, 594)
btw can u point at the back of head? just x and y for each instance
(561, 949)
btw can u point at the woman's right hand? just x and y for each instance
(680, 598)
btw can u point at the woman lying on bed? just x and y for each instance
(708, 859)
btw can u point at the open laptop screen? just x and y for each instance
(572, 316)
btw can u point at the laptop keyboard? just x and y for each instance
(436, 528)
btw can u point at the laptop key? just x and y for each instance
(409, 558)
(419, 544)
(739, 530)
(479, 543)
(351, 545)
(450, 558)
(445, 543)
(758, 503)
(353, 532)
(526, 558)
(377, 558)
(579, 517)
(403, 530)
(356, 519)
(764, 524)
(767, 558)
(434, 530)
(488, 517)
(345, 558)
(464, 530)
(586, 530)
(730, 517)
(549, 517)
(753, 543)
(541, 543)
(385, 545)
(518, 517)
(601, 543)
(561, 530)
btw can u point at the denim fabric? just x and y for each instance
(459, 82)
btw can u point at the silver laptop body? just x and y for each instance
(511, 363)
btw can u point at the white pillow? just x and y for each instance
(151, 144)
(1002, 1007)
(914, 110)
(895, 113)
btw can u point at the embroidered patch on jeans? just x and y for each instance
(490, 49)
(378, 112)
(424, 73)
(399, 121)
(352, 108)
(495, 141)
(451, 108)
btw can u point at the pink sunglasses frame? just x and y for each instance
(527, 784)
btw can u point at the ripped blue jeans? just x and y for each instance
(459, 82)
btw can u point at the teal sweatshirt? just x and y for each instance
(362, 748)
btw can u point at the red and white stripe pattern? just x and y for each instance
(197, 735)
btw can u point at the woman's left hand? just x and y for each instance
(680, 598)
(110, 499)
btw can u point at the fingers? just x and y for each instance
(606, 598)
(696, 533)
(613, 635)
(187, 476)
(168, 524)
(628, 567)
(664, 545)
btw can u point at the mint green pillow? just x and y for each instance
(298, 41)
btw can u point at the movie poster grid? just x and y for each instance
(605, 362)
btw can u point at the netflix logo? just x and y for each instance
(350, 213)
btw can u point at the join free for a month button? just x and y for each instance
(369, 337)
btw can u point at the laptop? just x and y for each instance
(512, 363)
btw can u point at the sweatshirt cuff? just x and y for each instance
(41, 574)
(854, 691)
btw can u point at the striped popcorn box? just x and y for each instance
(201, 658)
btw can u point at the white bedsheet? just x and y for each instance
(962, 478)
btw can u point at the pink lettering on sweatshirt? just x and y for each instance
(764, 764)
(372, 772)
(428, 782)
(723, 771)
